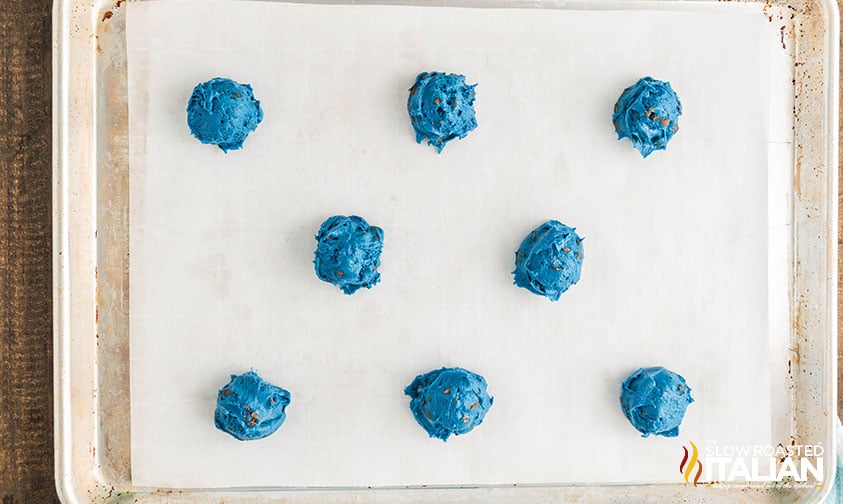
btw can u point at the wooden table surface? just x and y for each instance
(26, 394)
(26, 369)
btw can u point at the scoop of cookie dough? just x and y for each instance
(441, 108)
(348, 253)
(549, 260)
(448, 401)
(223, 112)
(654, 399)
(250, 408)
(648, 114)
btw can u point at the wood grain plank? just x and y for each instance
(26, 435)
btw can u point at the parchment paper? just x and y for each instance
(676, 250)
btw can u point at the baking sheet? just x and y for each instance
(676, 248)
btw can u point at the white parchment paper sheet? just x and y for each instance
(676, 250)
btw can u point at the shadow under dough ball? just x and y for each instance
(441, 108)
(250, 408)
(648, 114)
(655, 399)
(448, 401)
(549, 260)
(348, 253)
(223, 112)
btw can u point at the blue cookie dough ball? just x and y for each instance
(348, 253)
(648, 114)
(449, 401)
(441, 108)
(549, 260)
(250, 408)
(654, 400)
(223, 112)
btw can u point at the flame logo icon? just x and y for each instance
(686, 467)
